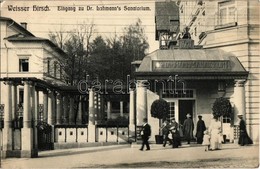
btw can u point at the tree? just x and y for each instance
(221, 107)
(160, 109)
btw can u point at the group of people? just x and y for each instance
(210, 137)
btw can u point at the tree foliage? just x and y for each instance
(221, 107)
(159, 109)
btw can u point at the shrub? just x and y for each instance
(221, 107)
(159, 109)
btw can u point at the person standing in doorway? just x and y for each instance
(145, 133)
(188, 127)
(200, 130)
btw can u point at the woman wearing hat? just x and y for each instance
(188, 127)
(244, 139)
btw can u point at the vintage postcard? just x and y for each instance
(129, 84)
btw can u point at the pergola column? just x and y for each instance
(132, 113)
(14, 101)
(65, 109)
(121, 108)
(7, 130)
(50, 119)
(91, 118)
(108, 109)
(27, 132)
(36, 118)
(45, 106)
(59, 108)
(141, 102)
(71, 113)
(79, 115)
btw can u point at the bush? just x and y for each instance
(159, 109)
(221, 107)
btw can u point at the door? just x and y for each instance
(185, 107)
(173, 109)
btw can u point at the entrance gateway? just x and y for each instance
(200, 77)
(182, 105)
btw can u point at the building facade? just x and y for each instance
(232, 26)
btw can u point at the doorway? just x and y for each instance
(185, 107)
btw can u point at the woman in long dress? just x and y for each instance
(215, 134)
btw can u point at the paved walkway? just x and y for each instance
(120, 155)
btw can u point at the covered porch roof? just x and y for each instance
(191, 64)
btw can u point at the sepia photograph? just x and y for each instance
(129, 84)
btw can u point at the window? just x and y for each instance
(55, 69)
(227, 12)
(48, 66)
(23, 65)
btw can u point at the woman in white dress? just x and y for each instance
(215, 134)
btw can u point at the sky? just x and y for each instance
(121, 13)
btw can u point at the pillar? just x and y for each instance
(50, 119)
(91, 118)
(239, 100)
(141, 102)
(71, 113)
(132, 114)
(45, 106)
(79, 115)
(27, 132)
(65, 110)
(59, 108)
(36, 118)
(108, 109)
(121, 108)
(7, 130)
(14, 101)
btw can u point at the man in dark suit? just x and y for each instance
(145, 133)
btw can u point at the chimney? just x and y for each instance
(24, 25)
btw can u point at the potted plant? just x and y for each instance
(222, 107)
(159, 109)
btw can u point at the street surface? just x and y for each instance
(126, 156)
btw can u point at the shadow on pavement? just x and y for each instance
(79, 151)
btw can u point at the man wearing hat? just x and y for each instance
(200, 130)
(145, 133)
(188, 127)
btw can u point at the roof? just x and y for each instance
(17, 25)
(22, 38)
(190, 62)
(28, 36)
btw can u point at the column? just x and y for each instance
(7, 130)
(71, 113)
(65, 109)
(36, 118)
(132, 114)
(50, 119)
(141, 102)
(108, 109)
(59, 108)
(79, 115)
(121, 108)
(45, 106)
(14, 101)
(91, 118)
(27, 132)
(239, 100)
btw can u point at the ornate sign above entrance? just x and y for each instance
(210, 66)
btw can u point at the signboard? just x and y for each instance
(191, 65)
